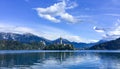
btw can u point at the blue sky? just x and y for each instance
(75, 20)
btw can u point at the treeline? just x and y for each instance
(111, 45)
(59, 47)
(15, 45)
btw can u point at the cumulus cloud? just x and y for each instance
(110, 33)
(101, 30)
(57, 12)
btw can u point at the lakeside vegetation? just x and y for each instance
(59, 47)
(15, 45)
(110, 45)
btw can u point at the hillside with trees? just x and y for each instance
(15, 45)
(28, 38)
(110, 45)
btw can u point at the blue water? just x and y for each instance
(41, 59)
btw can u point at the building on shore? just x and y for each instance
(43, 43)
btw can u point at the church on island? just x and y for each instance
(59, 46)
(60, 42)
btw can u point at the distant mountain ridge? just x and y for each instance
(28, 37)
(76, 44)
(110, 45)
(25, 38)
(80, 44)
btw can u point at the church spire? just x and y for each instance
(60, 40)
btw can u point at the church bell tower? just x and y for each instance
(60, 40)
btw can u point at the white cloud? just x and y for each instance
(47, 16)
(75, 38)
(57, 12)
(68, 17)
(98, 29)
(71, 5)
(110, 33)
(116, 30)
(53, 33)
(16, 29)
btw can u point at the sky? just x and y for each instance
(75, 20)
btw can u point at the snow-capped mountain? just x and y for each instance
(28, 37)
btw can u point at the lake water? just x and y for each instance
(38, 59)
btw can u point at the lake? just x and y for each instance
(40, 59)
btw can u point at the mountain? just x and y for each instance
(15, 45)
(76, 45)
(102, 41)
(63, 40)
(86, 45)
(110, 45)
(28, 38)
(24, 38)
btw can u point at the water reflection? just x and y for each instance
(60, 60)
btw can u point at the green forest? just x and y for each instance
(110, 45)
(59, 47)
(15, 45)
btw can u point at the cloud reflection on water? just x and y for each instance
(71, 61)
(61, 60)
